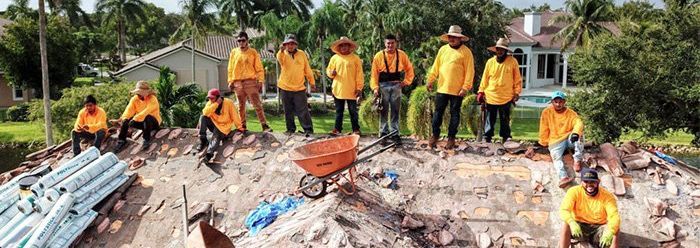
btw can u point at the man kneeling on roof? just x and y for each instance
(589, 213)
(561, 129)
(90, 124)
(218, 116)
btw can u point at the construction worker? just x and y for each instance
(589, 213)
(454, 69)
(345, 68)
(561, 129)
(295, 66)
(90, 124)
(500, 87)
(246, 77)
(218, 116)
(391, 71)
(143, 112)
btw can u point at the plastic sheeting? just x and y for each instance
(266, 213)
(66, 169)
(49, 224)
(87, 173)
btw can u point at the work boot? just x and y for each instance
(564, 182)
(487, 139)
(356, 132)
(119, 146)
(289, 132)
(577, 166)
(432, 142)
(450, 143)
(146, 144)
(335, 132)
(266, 128)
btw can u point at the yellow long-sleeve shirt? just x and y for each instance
(294, 69)
(228, 117)
(454, 69)
(138, 109)
(245, 65)
(378, 66)
(501, 81)
(598, 210)
(95, 122)
(349, 78)
(555, 127)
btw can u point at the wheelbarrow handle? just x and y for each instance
(365, 158)
(374, 143)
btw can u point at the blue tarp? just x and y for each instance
(266, 213)
(666, 157)
(393, 175)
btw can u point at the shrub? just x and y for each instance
(19, 112)
(319, 108)
(370, 118)
(3, 115)
(420, 112)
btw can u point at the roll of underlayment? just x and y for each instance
(26, 206)
(87, 203)
(8, 214)
(18, 232)
(100, 180)
(51, 221)
(90, 171)
(43, 205)
(8, 199)
(52, 194)
(65, 170)
(67, 233)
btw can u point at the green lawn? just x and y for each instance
(21, 132)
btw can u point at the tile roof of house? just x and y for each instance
(517, 33)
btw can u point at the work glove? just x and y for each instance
(574, 137)
(481, 98)
(575, 229)
(606, 239)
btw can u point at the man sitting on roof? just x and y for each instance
(561, 129)
(218, 116)
(589, 213)
(143, 112)
(90, 124)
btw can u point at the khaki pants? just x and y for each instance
(248, 90)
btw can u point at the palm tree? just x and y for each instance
(122, 11)
(244, 10)
(71, 9)
(198, 22)
(45, 74)
(169, 94)
(20, 9)
(583, 22)
(249, 13)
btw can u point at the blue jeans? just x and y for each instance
(503, 112)
(441, 103)
(391, 104)
(557, 152)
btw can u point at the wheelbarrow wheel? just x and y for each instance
(314, 192)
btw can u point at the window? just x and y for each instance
(17, 93)
(522, 62)
(546, 64)
(551, 62)
(541, 62)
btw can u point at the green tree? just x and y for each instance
(199, 21)
(20, 9)
(248, 13)
(20, 55)
(72, 10)
(121, 12)
(154, 32)
(583, 22)
(170, 95)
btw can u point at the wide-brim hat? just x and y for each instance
(290, 38)
(343, 40)
(456, 31)
(501, 43)
(143, 89)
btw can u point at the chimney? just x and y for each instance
(532, 23)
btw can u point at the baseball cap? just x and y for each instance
(559, 94)
(589, 175)
(213, 93)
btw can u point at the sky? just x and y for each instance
(173, 5)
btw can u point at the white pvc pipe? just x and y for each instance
(43, 205)
(65, 170)
(8, 214)
(66, 234)
(16, 234)
(26, 205)
(91, 200)
(100, 180)
(81, 177)
(50, 222)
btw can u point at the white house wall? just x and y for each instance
(181, 63)
(141, 73)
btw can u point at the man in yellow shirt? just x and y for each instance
(561, 129)
(218, 116)
(500, 86)
(90, 124)
(295, 66)
(391, 71)
(246, 77)
(345, 68)
(589, 213)
(454, 69)
(143, 112)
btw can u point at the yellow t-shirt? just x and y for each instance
(138, 109)
(598, 210)
(294, 69)
(555, 127)
(228, 117)
(350, 77)
(95, 122)
(245, 65)
(378, 66)
(454, 70)
(501, 81)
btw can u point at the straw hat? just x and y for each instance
(343, 40)
(290, 38)
(143, 89)
(501, 43)
(456, 31)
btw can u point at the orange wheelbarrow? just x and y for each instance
(326, 161)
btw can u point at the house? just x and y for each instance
(542, 62)
(211, 62)
(9, 95)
